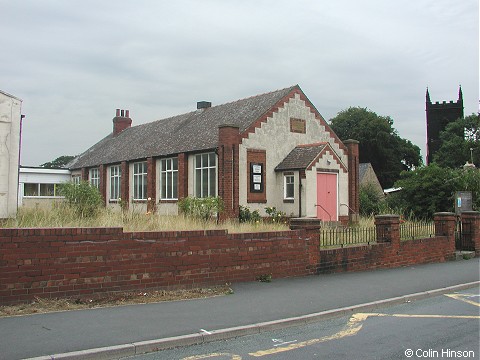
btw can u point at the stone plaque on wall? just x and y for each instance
(298, 126)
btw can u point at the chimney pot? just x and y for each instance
(117, 113)
(127, 113)
(122, 113)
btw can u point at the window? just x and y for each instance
(205, 175)
(115, 177)
(76, 179)
(34, 189)
(289, 187)
(140, 181)
(94, 177)
(169, 179)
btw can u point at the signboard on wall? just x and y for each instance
(463, 201)
(256, 177)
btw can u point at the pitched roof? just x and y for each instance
(362, 170)
(301, 157)
(193, 131)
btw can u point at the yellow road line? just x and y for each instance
(462, 297)
(353, 326)
(213, 355)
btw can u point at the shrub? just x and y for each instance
(201, 208)
(276, 215)
(246, 215)
(370, 200)
(83, 198)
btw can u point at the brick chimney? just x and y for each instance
(121, 121)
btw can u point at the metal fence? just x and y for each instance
(341, 237)
(417, 230)
(348, 236)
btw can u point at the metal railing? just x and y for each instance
(347, 236)
(417, 230)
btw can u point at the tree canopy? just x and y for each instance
(431, 189)
(380, 144)
(59, 162)
(460, 142)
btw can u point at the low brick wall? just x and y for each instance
(85, 261)
(390, 252)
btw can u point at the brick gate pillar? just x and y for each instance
(445, 223)
(311, 227)
(471, 221)
(388, 229)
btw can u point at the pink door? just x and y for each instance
(327, 196)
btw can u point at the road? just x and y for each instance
(441, 327)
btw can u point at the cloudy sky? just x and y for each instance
(74, 62)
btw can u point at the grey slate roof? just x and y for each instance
(300, 157)
(194, 131)
(362, 169)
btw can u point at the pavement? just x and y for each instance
(116, 332)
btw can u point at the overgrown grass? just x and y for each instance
(64, 216)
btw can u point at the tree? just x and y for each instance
(59, 162)
(431, 189)
(380, 144)
(460, 142)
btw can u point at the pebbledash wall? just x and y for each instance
(87, 261)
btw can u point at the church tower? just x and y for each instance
(439, 115)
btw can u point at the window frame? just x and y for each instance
(115, 178)
(168, 184)
(287, 184)
(139, 181)
(202, 171)
(94, 177)
(40, 187)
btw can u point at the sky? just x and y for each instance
(74, 62)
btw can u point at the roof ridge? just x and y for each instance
(258, 95)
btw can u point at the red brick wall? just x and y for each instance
(85, 261)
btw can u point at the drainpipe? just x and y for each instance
(299, 195)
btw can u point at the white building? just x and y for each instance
(38, 187)
(10, 125)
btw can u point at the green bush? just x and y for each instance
(276, 215)
(370, 200)
(246, 215)
(83, 198)
(201, 208)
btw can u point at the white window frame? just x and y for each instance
(76, 179)
(94, 177)
(139, 180)
(115, 172)
(169, 179)
(288, 180)
(39, 191)
(203, 168)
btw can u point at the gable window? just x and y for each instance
(115, 177)
(288, 186)
(205, 175)
(169, 179)
(94, 177)
(140, 181)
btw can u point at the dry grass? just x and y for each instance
(131, 221)
(40, 306)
